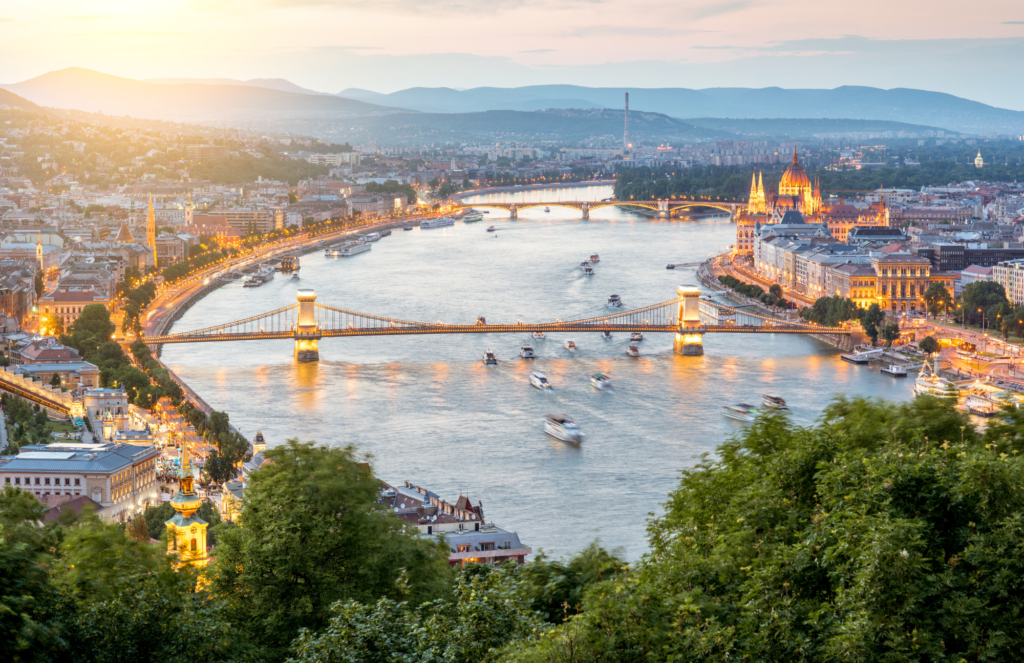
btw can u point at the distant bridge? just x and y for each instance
(688, 316)
(663, 208)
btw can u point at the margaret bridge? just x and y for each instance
(663, 208)
(688, 316)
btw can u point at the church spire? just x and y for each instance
(151, 229)
(796, 161)
(186, 531)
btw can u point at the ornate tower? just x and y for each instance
(39, 252)
(151, 229)
(186, 532)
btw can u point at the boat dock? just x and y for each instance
(863, 357)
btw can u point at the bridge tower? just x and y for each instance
(585, 208)
(307, 333)
(689, 335)
(513, 211)
(663, 209)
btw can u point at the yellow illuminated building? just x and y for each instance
(186, 531)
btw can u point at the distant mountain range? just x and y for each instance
(87, 90)
(10, 100)
(920, 107)
(276, 99)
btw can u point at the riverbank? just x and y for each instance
(459, 197)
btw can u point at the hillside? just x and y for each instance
(860, 103)
(279, 84)
(87, 90)
(10, 100)
(803, 127)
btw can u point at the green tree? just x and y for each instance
(39, 285)
(928, 344)
(890, 332)
(873, 317)
(937, 298)
(979, 298)
(775, 291)
(137, 529)
(315, 534)
(55, 380)
(555, 589)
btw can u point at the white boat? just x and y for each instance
(584, 264)
(539, 381)
(595, 258)
(347, 250)
(491, 229)
(440, 222)
(775, 402)
(636, 337)
(633, 351)
(569, 345)
(895, 371)
(563, 428)
(252, 283)
(538, 335)
(606, 335)
(526, 352)
(489, 358)
(472, 217)
(740, 411)
(547, 209)
(614, 301)
(589, 271)
(370, 237)
(928, 383)
(600, 381)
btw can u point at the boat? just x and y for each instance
(538, 335)
(547, 209)
(440, 222)
(930, 384)
(486, 211)
(346, 250)
(775, 402)
(595, 258)
(386, 233)
(614, 301)
(491, 229)
(295, 277)
(584, 264)
(407, 228)
(589, 271)
(636, 337)
(526, 352)
(569, 345)
(370, 237)
(606, 335)
(561, 427)
(472, 217)
(670, 266)
(633, 351)
(600, 381)
(252, 283)
(539, 381)
(740, 411)
(489, 358)
(895, 371)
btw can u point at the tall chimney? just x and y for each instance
(625, 129)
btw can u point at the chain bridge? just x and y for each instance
(689, 316)
(663, 208)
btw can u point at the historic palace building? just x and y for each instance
(797, 193)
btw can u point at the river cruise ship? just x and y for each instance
(347, 250)
(440, 222)
(472, 217)
(930, 384)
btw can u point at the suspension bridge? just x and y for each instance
(689, 316)
(663, 208)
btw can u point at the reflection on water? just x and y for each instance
(429, 411)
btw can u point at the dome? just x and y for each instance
(795, 176)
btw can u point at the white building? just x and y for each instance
(1010, 275)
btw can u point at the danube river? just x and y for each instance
(430, 412)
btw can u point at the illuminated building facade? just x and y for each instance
(186, 531)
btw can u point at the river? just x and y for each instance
(430, 412)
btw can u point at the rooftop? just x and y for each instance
(62, 457)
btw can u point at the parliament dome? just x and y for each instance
(794, 179)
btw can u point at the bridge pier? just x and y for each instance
(689, 340)
(585, 208)
(307, 334)
(663, 211)
(513, 211)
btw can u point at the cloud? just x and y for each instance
(538, 50)
(1013, 22)
(92, 17)
(719, 9)
(629, 31)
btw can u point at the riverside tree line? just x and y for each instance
(881, 531)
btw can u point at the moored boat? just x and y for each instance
(930, 384)
(563, 428)
(440, 222)
(472, 217)
(740, 411)
(407, 228)
(600, 381)
(775, 402)
(895, 371)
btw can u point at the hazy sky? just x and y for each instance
(972, 49)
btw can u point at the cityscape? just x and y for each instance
(523, 351)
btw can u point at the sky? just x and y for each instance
(974, 49)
